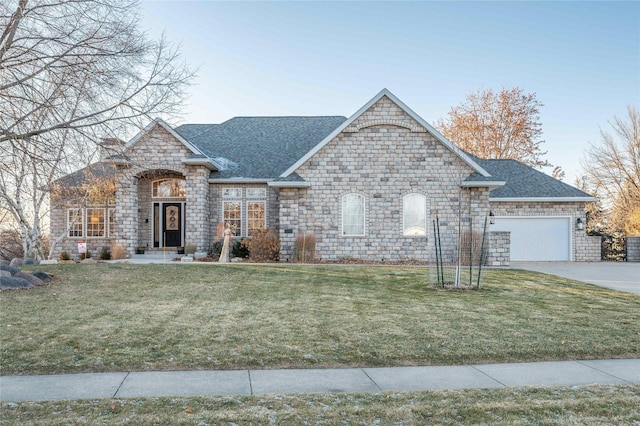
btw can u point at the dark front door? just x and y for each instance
(172, 224)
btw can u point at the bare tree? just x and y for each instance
(71, 73)
(612, 167)
(498, 125)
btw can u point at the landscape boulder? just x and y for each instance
(29, 277)
(16, 261)
(42, 275)
(5, 274)
(12, 269)
(10, 283)
(4, 262)
(30, 261)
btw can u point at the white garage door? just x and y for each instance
(537, 238)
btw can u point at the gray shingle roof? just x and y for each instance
(258, 147)
(523, 181)
(86, 174)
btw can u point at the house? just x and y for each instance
(369, 187)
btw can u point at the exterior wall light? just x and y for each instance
(579, 224)
(492, 221)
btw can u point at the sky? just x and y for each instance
(581, 59)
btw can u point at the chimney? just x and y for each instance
(109, 147)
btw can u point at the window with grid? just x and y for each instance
(95, 223)
(232, 216)
(75, 223)
(256, 218)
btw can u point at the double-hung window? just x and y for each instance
(75, 222)
(95, 223)
(353, 215)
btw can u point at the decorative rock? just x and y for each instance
(16, 261)
(199, 254)
(5, 274)
(4, 262)
(43, 276)
(29, 277)
(186, 259)
(13, 270)
(10, 283)
(30, 261)
(49, 262)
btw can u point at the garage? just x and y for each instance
(537, 238)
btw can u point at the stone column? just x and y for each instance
(127, 211)
(288, 222)
(197, 211)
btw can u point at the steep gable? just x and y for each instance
(376, 112)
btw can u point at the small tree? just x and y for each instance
(498, 125)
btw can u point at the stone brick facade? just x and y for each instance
(633, 249)
(498, 251)
(383, 155)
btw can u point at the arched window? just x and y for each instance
(172, 187)
(353, 215)
(414, 214)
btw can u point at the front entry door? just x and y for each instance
(172, 224)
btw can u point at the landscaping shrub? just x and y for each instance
(215, 249)
(264, 246)
(117, 252)
(190, 249)
(65, 256)
(105, 253)
(304, 249)
(239, 250)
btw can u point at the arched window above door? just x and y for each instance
(166, 188)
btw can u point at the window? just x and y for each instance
(255, 216)
(232, 216)
(95, 223)
(414, 208)
(75, 223)
(166, 188)
(245, 208)
(353, 215)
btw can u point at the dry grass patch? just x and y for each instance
(586, 405)
(122, 317)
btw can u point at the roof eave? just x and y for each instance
(544, 199)
(284, 184)
(208, 163)
(487, 184)
(236, 180)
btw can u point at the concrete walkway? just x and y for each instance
(622, 276)
(255, 382)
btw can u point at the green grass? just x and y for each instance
(122, 317)
(585, 405)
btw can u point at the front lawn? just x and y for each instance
(123, 317)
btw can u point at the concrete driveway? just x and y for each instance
(622, 276)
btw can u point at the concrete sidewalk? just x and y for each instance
(255, 382)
